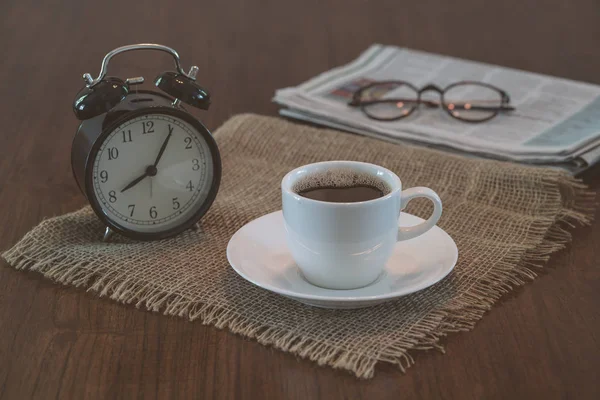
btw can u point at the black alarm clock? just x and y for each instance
(148, 168)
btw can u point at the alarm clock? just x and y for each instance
(148, 168)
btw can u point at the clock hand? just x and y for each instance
(162, 148)
(136, 180)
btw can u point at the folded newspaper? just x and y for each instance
(556, 122)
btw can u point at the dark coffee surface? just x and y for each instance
(349, 194)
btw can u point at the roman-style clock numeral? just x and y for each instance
(126, 136)
(113, 153)
(148, 127)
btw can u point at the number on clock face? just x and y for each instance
(152, 173)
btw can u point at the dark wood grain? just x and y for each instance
(542, 341)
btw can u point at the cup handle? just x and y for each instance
(409, 232)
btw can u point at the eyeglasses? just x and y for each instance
(466, 101)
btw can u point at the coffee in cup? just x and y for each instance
(341, 186)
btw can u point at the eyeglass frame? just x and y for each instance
(357, 102)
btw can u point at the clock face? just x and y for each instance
(152, 173)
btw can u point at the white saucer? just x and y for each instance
(258, 252)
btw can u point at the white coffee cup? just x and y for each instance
(346, 245)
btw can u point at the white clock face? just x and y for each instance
(152, 173)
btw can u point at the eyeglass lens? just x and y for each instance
(472, 102)
(395, 100)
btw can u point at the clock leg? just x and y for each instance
(107, 234)
(196, 226)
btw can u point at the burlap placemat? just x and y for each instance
(506, 220)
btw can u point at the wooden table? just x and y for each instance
(542, 341)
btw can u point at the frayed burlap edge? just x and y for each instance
(460, 314)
